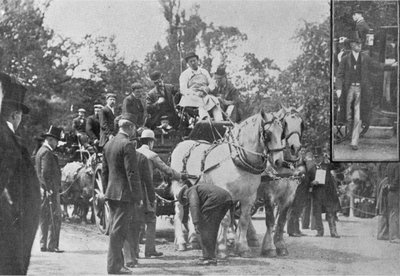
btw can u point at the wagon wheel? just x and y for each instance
(100, 206)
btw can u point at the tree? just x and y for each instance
(39, 58)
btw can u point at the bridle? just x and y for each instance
(299, 133)
(266, 137)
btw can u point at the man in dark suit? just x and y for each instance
(120, 175)
(133, 105)
(227, 94)
(160, 102)
(208, 205)
(93, 124)
(49, 173)
(106, 118)
(19, 186)
(79, 125)
(393, 199)
(354, 78)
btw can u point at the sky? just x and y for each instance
(139, 24)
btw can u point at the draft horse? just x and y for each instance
(234, 163)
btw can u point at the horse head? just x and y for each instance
(293, 128)
(271, 137)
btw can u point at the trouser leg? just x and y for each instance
(393, 204)
(383, 226)
(317, 214)
(55, 223)
(305, 219)
(119, 213)
(151, 219)
(217, 114)
(332, 224)
(44, 223)
(357, 122)
(203, 113)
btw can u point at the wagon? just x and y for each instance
(164, 145)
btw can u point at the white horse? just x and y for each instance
(234, 163)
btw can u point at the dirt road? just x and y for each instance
(356, 252)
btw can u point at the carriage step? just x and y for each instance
(384, 132)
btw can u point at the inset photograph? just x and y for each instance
(365, 77)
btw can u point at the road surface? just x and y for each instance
(356, 252)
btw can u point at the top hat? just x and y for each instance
(14, 92)
(82, 110)
(156, 75)
(130, 117)
(164, 117)
(182, 196)
(136, 85)
(111, 95)
(357, 10)
(54, 132)
(190, 55)
(220, 72)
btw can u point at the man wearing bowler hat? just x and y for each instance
(49, 173)
(354, 78)
(79, 125)
(120, 175)
(227, 94)
(19, 186)
(160, 102)
(106, 118)
(195, 85)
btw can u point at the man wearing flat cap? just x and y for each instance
(354, 78)
(208, 205)
(227, 94)
(49, 173)
(19, 186)
(79, 125)
(195, 86)
(132, 103)
(120, 176)
(160, 102)
(93, 124)
(361, 26)
(106, 118)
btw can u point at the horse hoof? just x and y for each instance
(269, 253)
(253, 243)
(245, 254)
(195, 246)
(181, 247)
(282, 251)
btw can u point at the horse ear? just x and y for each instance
(300, 108)
(262, 113)
(279, 114)
(284, 107)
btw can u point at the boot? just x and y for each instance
(320, 233)
(332, 226)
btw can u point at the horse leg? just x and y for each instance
(268, 248)
(242, 247)
(281, 248)
(180, 241)
(252, 239)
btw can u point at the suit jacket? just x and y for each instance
(362, 29)
(155, 110)
(106, 118)
(93, 127)
(133, 105)
(146, 180)
(229, 93)
(48, 170)
(19, 203)
(204, 198)
(120, 171)
(343, 82)
(79, 124)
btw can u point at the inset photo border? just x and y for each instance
(364, 83)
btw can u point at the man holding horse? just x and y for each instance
(208, 205)
(19, 186)
(196, 84)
